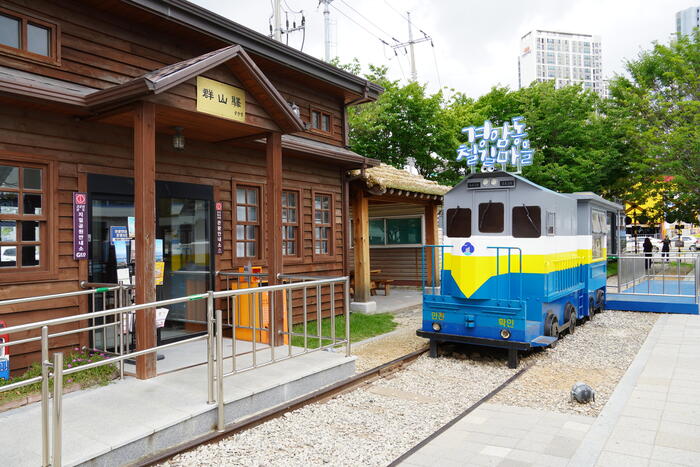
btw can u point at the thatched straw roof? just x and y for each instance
(385, 178)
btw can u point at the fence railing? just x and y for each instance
(279, 346)
(432, 261)
(659, 274)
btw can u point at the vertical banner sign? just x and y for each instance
(219, 229)
(80, 228)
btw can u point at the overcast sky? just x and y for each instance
(476, 42)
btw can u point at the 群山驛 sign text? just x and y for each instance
(491, 146)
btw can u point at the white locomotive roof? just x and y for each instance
(589, 195)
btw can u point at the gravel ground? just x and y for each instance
(381, 349)
(598, 354)
(377, 423)
(371, 426)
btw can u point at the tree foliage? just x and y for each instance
(659, 104)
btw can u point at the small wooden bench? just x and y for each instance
(381, 284)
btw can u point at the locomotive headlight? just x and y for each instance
(505, 333)
(494, 182)
(486, 182)
(437, 327)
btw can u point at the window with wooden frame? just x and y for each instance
(28, 37)
(290, 223)
(248, 221)
(24, 229)
(321, 121)
(323, 224)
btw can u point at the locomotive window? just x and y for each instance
(491, 217)
(459, 222)
(527, 222)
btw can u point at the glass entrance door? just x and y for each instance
(183, 228)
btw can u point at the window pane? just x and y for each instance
(8, 256)
(326, 217)
(292, 200)
(376, 231)
(32, 179)
(250, 249)
(491, 217)
(240, 232)
(459, 222)
(38, 41)
(527, 222)
(240, 213)
(252, 196)
(314, 119)
(292, 216)
(317, 202)
(326, 123)
(326, 202)
(240, 249)
(8, 203)
(30, 232)
(403, 231)
(285, 215)
(240, 196)
(9, 176)
(32, 204)
(250, 232)
(9, 31)
(8, 231)
(317, 217)
(291, 248)
(252, 214)
(30, 255)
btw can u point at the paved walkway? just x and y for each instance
(652, 418)
(399, 299)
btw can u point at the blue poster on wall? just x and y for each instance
(118, 233)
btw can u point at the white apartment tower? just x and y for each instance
(687, 20)
(562, 57)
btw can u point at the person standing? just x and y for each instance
(648, 248)
(666, 247)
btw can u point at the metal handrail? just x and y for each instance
(52, 452)
(498, 265)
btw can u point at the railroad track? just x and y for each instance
(328, 392)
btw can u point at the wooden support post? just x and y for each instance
(431, 238)
(274, 221)
(145, 209)
(360, 214)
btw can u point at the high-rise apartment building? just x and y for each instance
(687, 20)
(562, 57)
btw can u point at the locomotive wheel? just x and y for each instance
(551, 327)
(599, 300)
(571, 317)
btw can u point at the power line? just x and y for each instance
(367, 30)
(368, 20)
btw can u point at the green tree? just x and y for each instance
(659, 105)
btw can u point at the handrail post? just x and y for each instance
(57, 421)
(45, 436)
(210, 347)
(221, 423)
(347, 316)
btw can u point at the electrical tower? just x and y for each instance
(276, 29)
(326, 28)
(411, 42)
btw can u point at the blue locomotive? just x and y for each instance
(519, 264)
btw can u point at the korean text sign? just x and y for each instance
(220, 99)
(80, 226)
(489, 146)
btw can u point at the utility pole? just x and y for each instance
(326, 28)
(414, 73)
(277, 16)
(411, 42)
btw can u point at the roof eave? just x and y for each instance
(210, 23)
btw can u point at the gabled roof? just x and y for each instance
(162, 79)
(385, 178)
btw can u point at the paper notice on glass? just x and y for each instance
(120, 253)
(131, 225)
(123, 276)
(161, 314)
(159, 249)
(160, 272)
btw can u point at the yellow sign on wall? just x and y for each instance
(220, 99)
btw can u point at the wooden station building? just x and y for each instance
(166, 113)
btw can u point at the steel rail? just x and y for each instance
(275, 412)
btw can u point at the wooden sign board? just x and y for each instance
(220, 99)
